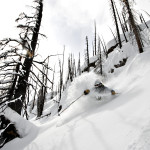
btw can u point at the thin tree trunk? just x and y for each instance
(12, 89)
(116, 23)
(95, 39)
(144, 21)
(34, 98)
(113, 35)
(87, 54)
(121, 24)
(105, 48)
(125, 24)
(134, 27)
(100, 56)
(52, 91)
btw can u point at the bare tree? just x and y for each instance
(133, 25)
(79, 66)
(120, 23)
(35, 93)
(104, 47)
(143, 21)
(18, 58)
(70, 74)
(87, 54)
(60, 79)
(74, 68)
(95, 39)
(113, 35)
(52, 90)
(42, 91)
(116, 22)
(40, 102)
(124, 22)
(100, 56)
(23, 80)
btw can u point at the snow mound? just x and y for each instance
(26, 130)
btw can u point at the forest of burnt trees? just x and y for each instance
(18, 59)
(18, 62)
(26, 83)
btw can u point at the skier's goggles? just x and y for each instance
(99, 84)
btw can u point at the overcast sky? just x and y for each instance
(65, 22)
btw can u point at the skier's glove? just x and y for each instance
(113, 92)
(87, 91)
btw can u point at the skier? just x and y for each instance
(100, 89)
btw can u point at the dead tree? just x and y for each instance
(120, 23)
(61, 72)
(143, 21)
(17, 60)
(95, 39)
(125, 22)
(52, 88)
(70, 74)
(100, 56)
(35, 93)
(20, 91)
(87, 59)
(132, 23)
(113, 35)
(62, 69)
(116, 23)
(74, 68)
(79, 66)
(60, 80)
(104, 47)
(40, 102)
(42, 91)
(93, 49)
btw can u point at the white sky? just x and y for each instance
(69, 21)
(65, 22)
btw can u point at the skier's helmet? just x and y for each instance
(98, 83)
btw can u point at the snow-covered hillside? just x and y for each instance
(118, 122)
(114, 123)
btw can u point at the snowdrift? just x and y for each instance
(26, 130)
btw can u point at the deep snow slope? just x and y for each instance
(120, 122)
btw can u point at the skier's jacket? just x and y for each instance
(101, 89)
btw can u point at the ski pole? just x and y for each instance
(71, 103)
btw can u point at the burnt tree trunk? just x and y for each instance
(125, 24)
(95, 39)
(87, 54)
(12, 89)
(133, 26)
(100, 57)
(116, 23)
(22, 82)
(121, 24)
